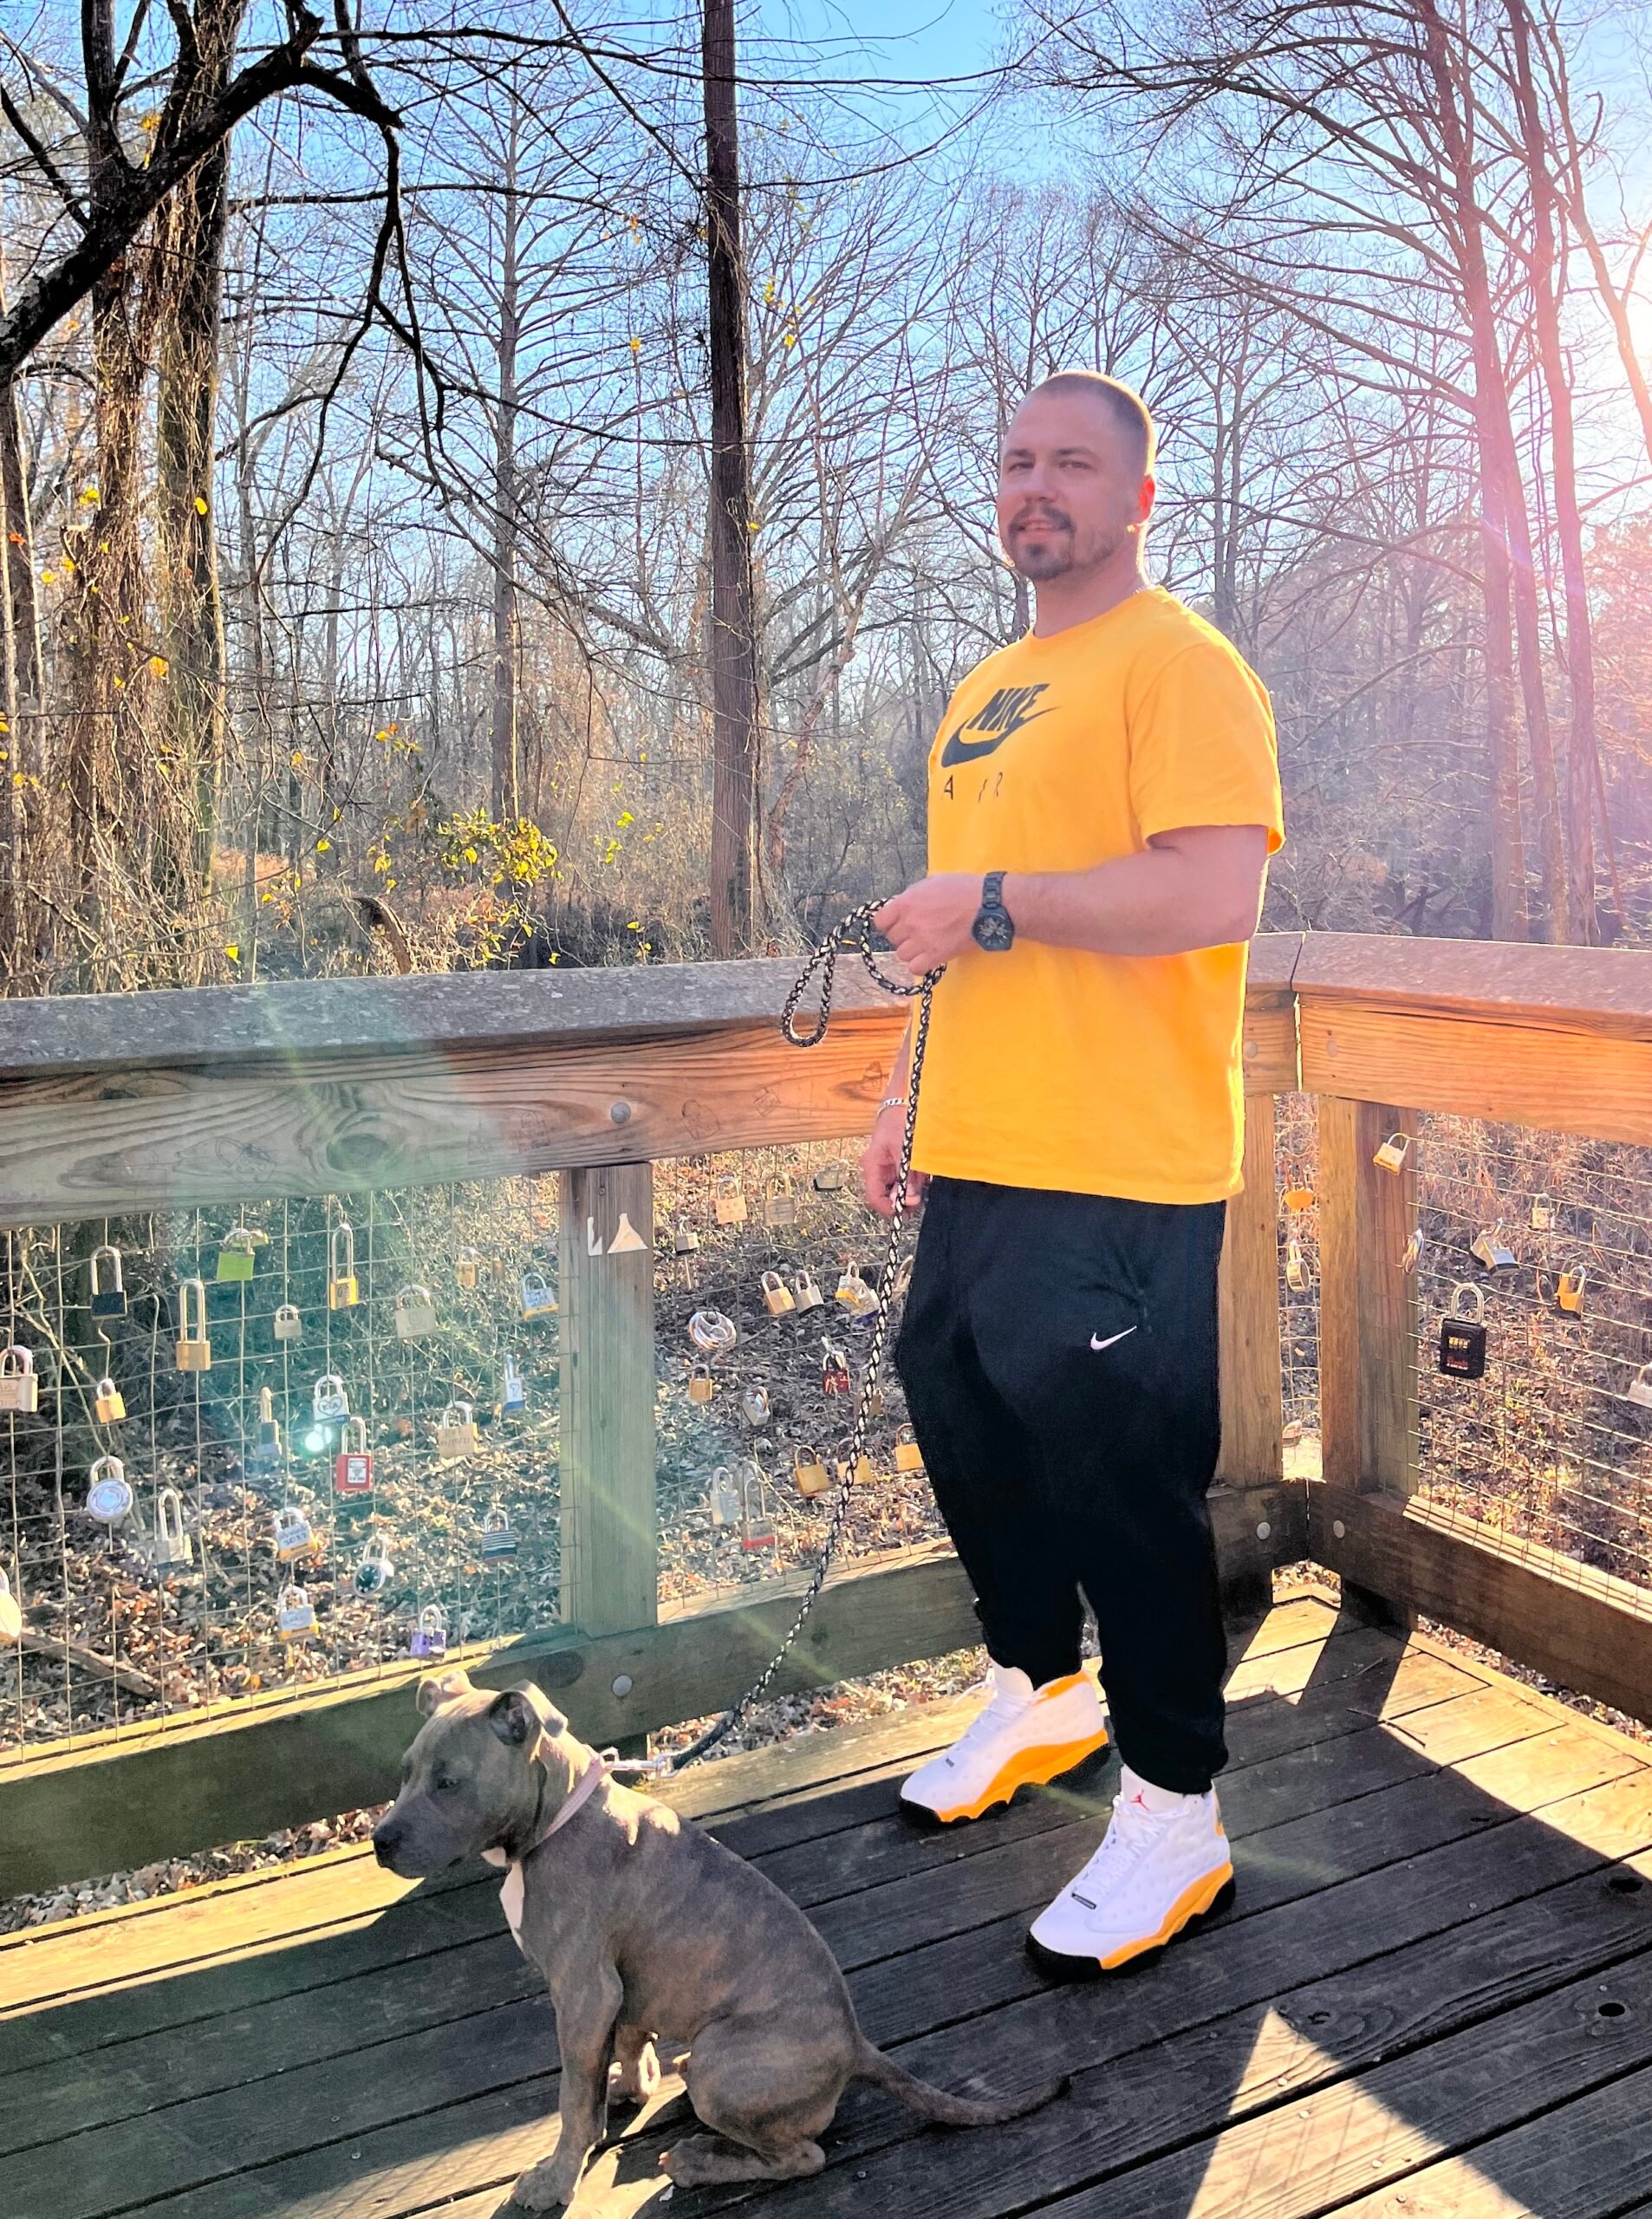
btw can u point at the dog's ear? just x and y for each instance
(521, 1714)
(438, 1688)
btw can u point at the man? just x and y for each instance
(1103, 798)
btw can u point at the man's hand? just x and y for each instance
(932, 921)
(882, 1161)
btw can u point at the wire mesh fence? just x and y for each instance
(252, 1449)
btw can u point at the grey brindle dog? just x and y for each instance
(645, 1928)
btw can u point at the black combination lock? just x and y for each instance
(1462, 1336)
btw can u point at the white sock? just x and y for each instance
(1159, 1800)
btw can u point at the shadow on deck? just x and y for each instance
(1432, 1996)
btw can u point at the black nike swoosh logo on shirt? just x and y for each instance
(959, 749)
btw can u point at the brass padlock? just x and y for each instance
(806, 1294)
(699, 1382)
(289, 1326)
(730, 1201)
(108, 1403)
(109, 1499)
(864, 1475)
(456, 1433)
(235, 1254)
(415, 1313)
(908, 1457)
(1393, 1153)
(780, 1205)
(194, 1350)
(808, 1472)
(467, 1266)
(1546, 1215)
(343, 1288)
(1462, 1337)
(19, 1387)
(107, 1298)
(1489, 1247)
(294, 1613)
(1569, 1293)
(777, 1295)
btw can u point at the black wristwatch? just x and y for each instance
(994, 927)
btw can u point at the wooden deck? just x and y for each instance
(1434, 1995)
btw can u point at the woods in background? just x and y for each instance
(518, 493)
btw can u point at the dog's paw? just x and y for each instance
(545, 2187)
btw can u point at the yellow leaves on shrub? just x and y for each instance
(159, 666)
(200, 506)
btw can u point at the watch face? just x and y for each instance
(994, 930)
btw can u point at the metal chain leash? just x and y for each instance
(854, 931)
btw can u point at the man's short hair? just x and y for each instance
(1125, 407)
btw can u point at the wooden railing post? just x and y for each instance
(1253, 1420)
(609, 1527)
(1367, 1311)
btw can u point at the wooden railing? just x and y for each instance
(125, 1104)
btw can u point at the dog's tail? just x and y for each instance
(940, 2109)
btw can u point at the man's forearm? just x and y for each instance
(1158, 902)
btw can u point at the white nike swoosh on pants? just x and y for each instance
(1111, 1338)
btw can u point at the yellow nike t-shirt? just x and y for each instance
(1055, 1067)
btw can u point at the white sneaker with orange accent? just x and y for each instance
(1164, 1866)
(1024, 1736)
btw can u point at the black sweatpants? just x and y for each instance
(1059, 1353)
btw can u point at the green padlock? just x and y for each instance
(235, 1257)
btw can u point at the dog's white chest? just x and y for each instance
(510, 1895)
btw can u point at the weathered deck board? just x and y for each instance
(1438, 1872)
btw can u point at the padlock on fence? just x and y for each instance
(10, 1612)
(908, 1457)
(19, 1384)
(805, 1292)
(513, 1391)
(833, 1369)
(777, 1295)
(352, 1466)
(467, 1267)
(343, 1288)
(288, 1325)
(264, 1454)
(291, 1533)
(730, 1204)
(237, 1255)
(108, 1498)
(700, 1389)
(831, 1177)
(808, 1472)
(170, 1547)
(780, 1204)
(856, 1297)
(1393, 1153)
(294, 1613)
(1569, 1293)
(724, 1500)
(754, 1405)
(429, 1637)
(1489, 1247)
(456, 1433)
(373, 1570)
(1640, 1389)
(1296, 1268)
(710, 1331)
(1546, 1215)
(194, 1350)
(107, 1296)
(1462, 1337)
(329, 1402)
(415, 1313)
(108, 1403)
(758, 1529)
(537, 1300)
(864, 1474)
(684, 1241)
(499, 1535)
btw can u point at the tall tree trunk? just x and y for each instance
(1581, 741)
(190, 271)
(507, 787)
(1503, 493)
(1509, 919)
(23, 693)
(734, 706)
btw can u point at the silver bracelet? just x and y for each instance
(895, 1101)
